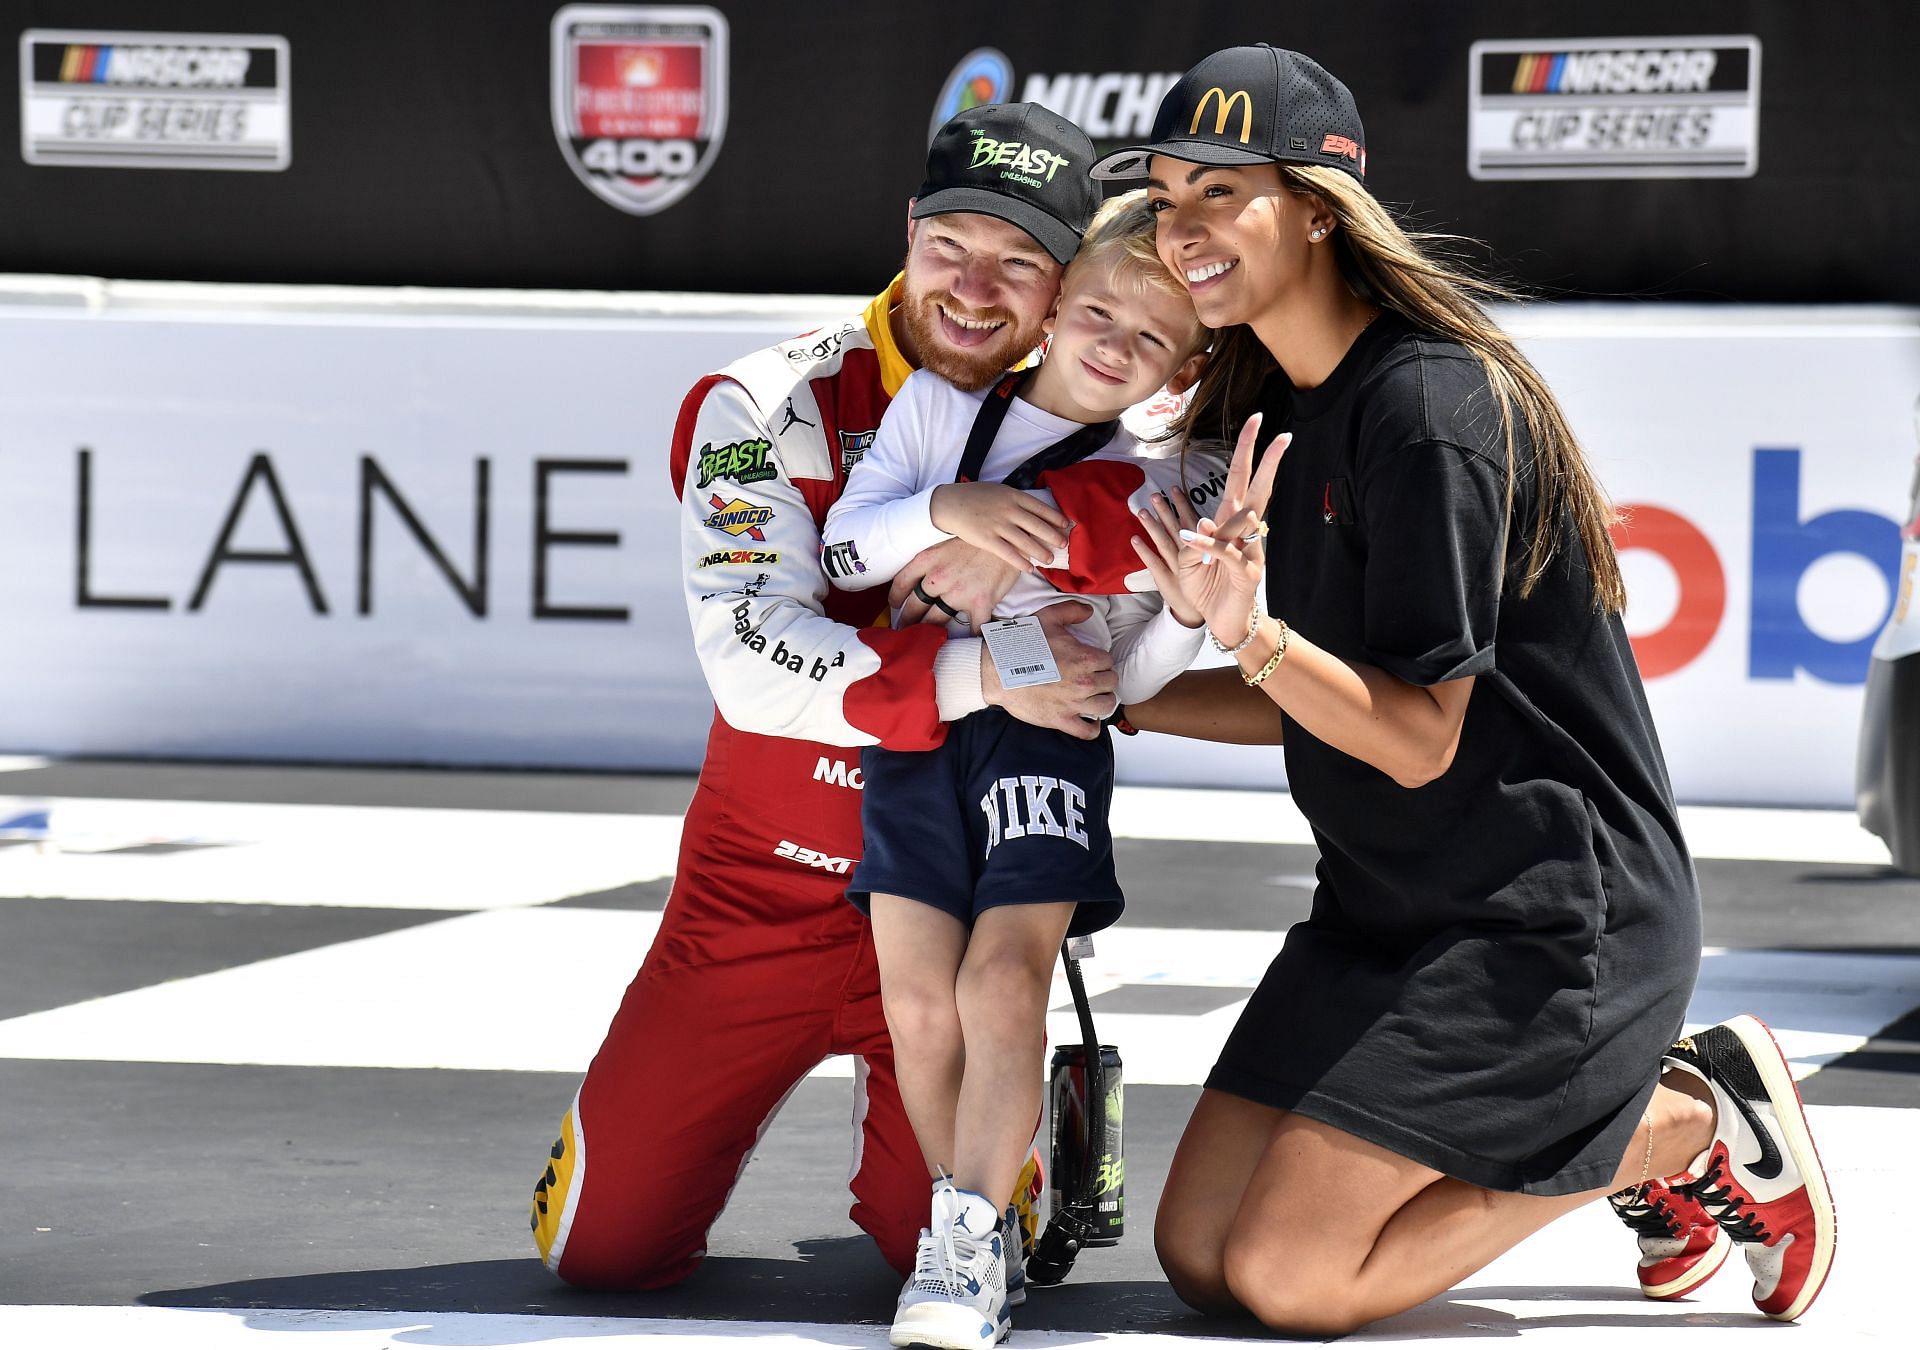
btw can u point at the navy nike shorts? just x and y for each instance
(1002, 814)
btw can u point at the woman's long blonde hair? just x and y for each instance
(1384, 264)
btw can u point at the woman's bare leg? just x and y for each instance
(1332, 1232)
(1212, 1167)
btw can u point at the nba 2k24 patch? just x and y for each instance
(1656, 107)
(154, 100)
(640, 99)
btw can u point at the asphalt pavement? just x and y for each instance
(265, 1049)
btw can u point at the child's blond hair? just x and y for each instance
(1121, 238)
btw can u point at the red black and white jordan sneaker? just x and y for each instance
(1681, 1245)
(1761, 1177)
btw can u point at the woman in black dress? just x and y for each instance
(1466, 1038)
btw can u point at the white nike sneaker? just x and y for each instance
(956, 1298)
(1016, 1259)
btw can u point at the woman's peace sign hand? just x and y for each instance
(1218, 563)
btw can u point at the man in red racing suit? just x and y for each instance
(761, 969)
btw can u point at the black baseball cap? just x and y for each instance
(1017, 162)
(1251, 105)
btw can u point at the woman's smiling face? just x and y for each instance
(1236, 236)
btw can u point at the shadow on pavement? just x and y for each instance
(827, 1289)
(1460, 1313)
(835, 1281)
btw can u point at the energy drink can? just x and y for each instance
(1069, 1119)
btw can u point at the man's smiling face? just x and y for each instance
(977, 291)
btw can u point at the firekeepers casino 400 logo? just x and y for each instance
(640, 99)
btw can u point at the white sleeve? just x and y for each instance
(1150, 646)
(885, 514)
(755, 593)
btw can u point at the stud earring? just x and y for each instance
(1318, 234)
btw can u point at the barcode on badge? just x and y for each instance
(1027, 670)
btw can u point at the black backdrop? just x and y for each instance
(424, 151)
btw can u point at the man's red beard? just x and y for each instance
(969, 368)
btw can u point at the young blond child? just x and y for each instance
(980, 857)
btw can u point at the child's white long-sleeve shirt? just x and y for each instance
(885, 517)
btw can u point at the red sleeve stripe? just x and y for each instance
(682, 448)
(1095, 495)
(896, 702)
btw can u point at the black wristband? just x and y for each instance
(1117, 719)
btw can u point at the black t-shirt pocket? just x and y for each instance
(1336, 502)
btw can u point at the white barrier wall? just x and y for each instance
(436, 527)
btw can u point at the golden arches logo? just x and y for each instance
(1225, 111)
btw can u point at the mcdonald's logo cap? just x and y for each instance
(1251, 105)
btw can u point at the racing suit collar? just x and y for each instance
(894, 366)
(878, 317)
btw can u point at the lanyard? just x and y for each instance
(986, 426)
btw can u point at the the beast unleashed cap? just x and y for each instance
(1017, 162)
(1251, 105)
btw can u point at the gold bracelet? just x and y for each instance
(1273, 662)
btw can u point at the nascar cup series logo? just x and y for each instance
(640, 99)
(116, 100)
(1654, 107)
(1107, 105)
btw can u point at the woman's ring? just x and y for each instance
(1259, 533)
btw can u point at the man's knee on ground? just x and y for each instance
(633, 1256)
(636, 1255)
(896, 1235)
(630, 1268)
